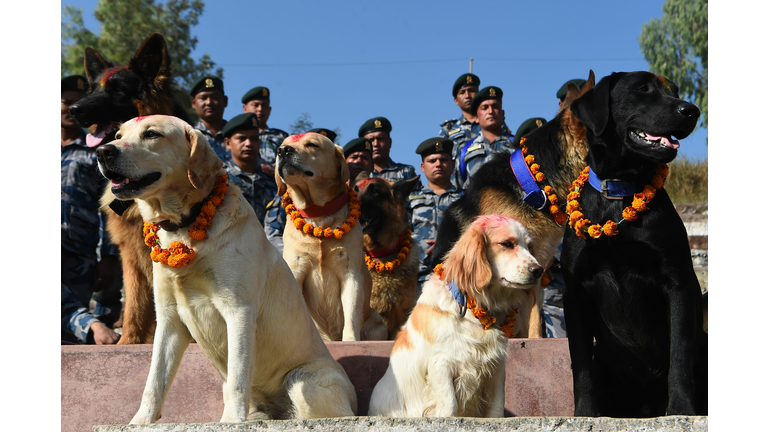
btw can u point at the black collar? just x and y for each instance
(185, 221)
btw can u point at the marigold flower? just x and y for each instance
(529, 159)
(216, 200)
(629, 214)
(610, 228)
(560, 218)
(380, 267)
(540, 177)
(545, 280)
(346, 227)
(639, 203)
(573, 196)
(535, 168)
(595, 231)
(317, 232)
(575, 216)
(370, 263)
(328, 232)
(401, 257)
(389, 266)
(299, 223)
(581, 224)
(337, 233)
(572, 206)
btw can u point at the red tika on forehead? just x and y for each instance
(363, 184)
(296, 138)
(108, 74)
(493, 220)
(664, 82)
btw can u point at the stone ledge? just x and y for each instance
(453, 424)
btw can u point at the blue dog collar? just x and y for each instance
(459, 296)
(613, 188)
(534, 196)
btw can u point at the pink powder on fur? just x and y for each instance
(295, 138)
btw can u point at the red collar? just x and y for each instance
(381, 253)
(329, 208)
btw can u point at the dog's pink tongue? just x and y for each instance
(92, 140)
(114, 184)
(675, 144)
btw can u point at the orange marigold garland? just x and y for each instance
(479, 312)
(307, 228)
(179, 254)
(395, 263)
(554, 207)
(584, 227)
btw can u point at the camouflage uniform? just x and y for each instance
(75, 318)
(477, 153)
(271, 139)
(554, 318)
(396, 172)
(274, 223)
(257, 188)
(216, 141)
(460, 131)
(427, 210)
(84, 241)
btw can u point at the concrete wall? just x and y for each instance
(102, 385)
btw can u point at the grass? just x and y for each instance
(687, 181)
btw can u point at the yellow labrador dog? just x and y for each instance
(231, 291)
(448, 359)
(323, 242)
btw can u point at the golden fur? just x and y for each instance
(331, 272)
(393, 292)
(237, 297)
(445, 364)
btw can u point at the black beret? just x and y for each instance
(467, 79)
(245, 121)
(331, 135)
(374, 125)
(529, 125)
(489, 92)
(434, 145)
(74, 83)
(356, 145)
(563, 92)
(256, 93)
(206, 83)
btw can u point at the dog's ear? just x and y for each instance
(593, 108)
(281, 186)
(403, 188)
(467, 262)
(362, 176)
(152, 60)
(203, 163)
(343, 163)
(94, 65)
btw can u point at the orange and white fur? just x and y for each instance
(442, 363)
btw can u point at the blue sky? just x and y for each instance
(345, 62)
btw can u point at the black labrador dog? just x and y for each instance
(634, 291)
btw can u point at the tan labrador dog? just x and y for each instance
(331, 271)
(448, 359)
(236, 296)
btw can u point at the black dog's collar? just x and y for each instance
(119, 206)
(185, 221)
(615, 188)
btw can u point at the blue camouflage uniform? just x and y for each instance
(427, 209)
(271, 139)
(258, 189)
(84, 240)
(76, 319)
(460, 131)
(274, 222)
(216, 141)
(395, 172)
(476, 152)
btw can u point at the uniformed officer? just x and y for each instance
(241, 136)
(493, 138)
(526, 127)
(377, 131)
(359, 156)
(89, 260)
(428, 203)
(209, 101)
(461, 130)
(358, 153)
(257, 101)
(563, 92)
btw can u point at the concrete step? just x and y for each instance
(375, 424)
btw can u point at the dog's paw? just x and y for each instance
(233, 414)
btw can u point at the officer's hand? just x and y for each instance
(103, 335)
(268, 170)
(431, 244)
(104, 272)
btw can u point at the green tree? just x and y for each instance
(676, 47)
(124, 26)
(303, 124)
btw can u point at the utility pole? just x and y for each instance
(470, 64)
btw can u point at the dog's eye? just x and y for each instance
(508, 244)
(151, 134)
(312, 145)
(644, 89)
(118, 135)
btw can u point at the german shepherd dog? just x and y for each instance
(635, 292)
(384, 219)
(560, 149)
(119, 93)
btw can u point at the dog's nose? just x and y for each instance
(79, 115)
(284, 150)
(689, 110)
(536, 270)
(106, 153)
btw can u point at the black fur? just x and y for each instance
(636, 293)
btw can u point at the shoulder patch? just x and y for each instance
(453, 131)
(474, 147)
(447, 122)
(269, 205)
(414, 197)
